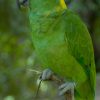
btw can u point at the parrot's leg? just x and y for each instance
(46, 74)
(66, 87)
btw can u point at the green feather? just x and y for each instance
(63, 44)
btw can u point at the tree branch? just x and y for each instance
(59, 81)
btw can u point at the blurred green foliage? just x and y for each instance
(17, 51)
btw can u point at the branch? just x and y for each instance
(59, 81)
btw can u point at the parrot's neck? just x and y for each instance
(62, 4)
(45, 6)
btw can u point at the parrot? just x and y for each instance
(64, 46)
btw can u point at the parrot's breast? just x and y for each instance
(42, 23)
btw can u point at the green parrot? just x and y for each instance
(63, 45)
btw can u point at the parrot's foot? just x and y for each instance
(46, 75)
(68, 86)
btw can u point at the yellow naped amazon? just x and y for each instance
(63, 45)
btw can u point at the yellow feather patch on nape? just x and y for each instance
(63, 5)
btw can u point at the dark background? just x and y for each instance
(17, 51)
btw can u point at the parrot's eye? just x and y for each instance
(22, 3)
